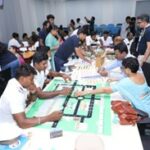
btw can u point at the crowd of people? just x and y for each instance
(132, 56)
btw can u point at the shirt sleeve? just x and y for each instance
(116, 63)
(17, 103)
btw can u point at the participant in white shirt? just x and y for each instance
(129, 40)
(14, 41)
(106, 39)
(40, 64)
(13, 103)
(92, 39)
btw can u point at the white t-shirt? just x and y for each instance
(12, 101)
(13, 42)
(39, 79)
(90, 41)
(108, 41)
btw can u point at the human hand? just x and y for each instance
(103, 72)
(66, 77)
(65, 91)
(55, 116)
(79, 93)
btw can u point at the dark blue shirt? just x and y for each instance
(43, 34)
(66, 49)
(143, 42)
(6, 57)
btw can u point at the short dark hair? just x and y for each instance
(93, 33)
(52, 27)
(24, 35)
(45, 23)
(15, 35)
(82, 30)
(78, 20)
(50, 16)
(106, 32)
(121, 47)
(131, 63)
(43, 49)
(128, 17)
(25, 70)
(144, 17)
(39, 56)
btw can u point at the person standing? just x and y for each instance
(143, 49)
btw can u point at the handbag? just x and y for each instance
(126, 113)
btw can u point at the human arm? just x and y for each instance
(24, 122)
(79, 52)
(107, 90)
(51, 94)
(58, 74)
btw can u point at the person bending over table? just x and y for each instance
(40, 61)
(121, 52)
(12, 106)
(133, 88)
(70, 46)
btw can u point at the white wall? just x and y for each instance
(26, 15)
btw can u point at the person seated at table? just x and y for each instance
(25, 40)
(133, 88)
(106, 39)
(48, 71)
(121, 52)
(117, 40)
(70, 46)
(40, 61)
(15, 41)
(51, 41)
(92, 40)
(8, 60)
(12, 106)
(129, 40)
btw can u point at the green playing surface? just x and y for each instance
(83, 114)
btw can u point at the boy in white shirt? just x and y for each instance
(12, 107)
(106, 39)
(40, 64)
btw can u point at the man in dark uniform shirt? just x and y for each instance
(144, 45)
(70, 46)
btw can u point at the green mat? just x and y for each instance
(78, 123)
